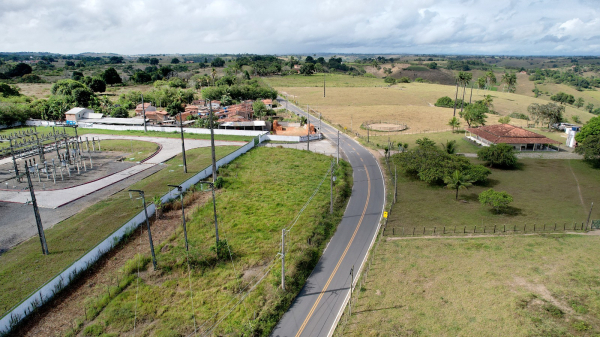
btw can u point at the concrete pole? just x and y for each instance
(144, 113)
(212, 149)
(307, 129)
(351, 288)
(180, 190)
(455, 98)
(338, 148)
(331, 190)
(283, 259)
(147, 225)
(215, 213)
(182, 143)
(36, 211)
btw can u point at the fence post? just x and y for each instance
(484, 228)
(494, 229)
(475, 229)
(423, 230)
(454, 229)
(402, 231)
(434, 230)
(565, 226)
(525, 228)
(544, 227)
(444, 229)
(393, 231)
(465, 230)
(534, 228)
(414, 230)
(555, 226)
(504, 228)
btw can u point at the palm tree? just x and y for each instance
(213, 73)
(490, 78)
(464, 78)
(458, 180)
(454, 123)
(487, 101)
(450, 146)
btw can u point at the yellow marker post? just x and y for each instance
(385, 215)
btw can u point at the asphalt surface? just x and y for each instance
(315, 310)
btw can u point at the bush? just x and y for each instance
(32, 78)
(445, 102)
(498, 200)
(500, 155)
(404, 79)
(419, 80)
(219, 182)
(390, 80)
(478, 173)
(519, 115)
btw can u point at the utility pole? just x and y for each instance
(144, 112)
(212, 150)
(182, 143)
(324, 84)
(395, 183)
(36, 211)
(320, 116)
(212, 186)
(283, 259)
(351, 130)
(351, 287)
(307, 129)
(148, 226)
(332, 179)
(338, 148)
(180, 190)
(368, 128)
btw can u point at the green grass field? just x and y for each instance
(462, 145)
(134, 150)
(505, 286)
(256, 202)
(545, 191)
(316, 80)
(23, 269)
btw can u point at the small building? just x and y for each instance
(520, 139)
(77, 114)
(268, 103)
(193, 109)
(157, 116)
(139, 110)
(215, 104)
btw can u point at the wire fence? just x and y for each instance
(410, 231)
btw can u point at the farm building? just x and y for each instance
(520, 139)
(77, 114)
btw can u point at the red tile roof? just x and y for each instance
(510, 134)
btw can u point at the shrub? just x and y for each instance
(445, 102)
(478, 173)
(390, 80)
(419, 80)
(498, 200)
(504, 120)
(519, 115)
(500, 155)
(219, 182)
(32, 78)
(404, 79)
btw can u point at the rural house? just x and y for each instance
(139, 110)
(520, 139)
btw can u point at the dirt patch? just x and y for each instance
(58, 316)
(543, 292)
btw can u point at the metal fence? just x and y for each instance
(485, 229)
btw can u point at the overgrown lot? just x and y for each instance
(23, 269)
(504, 286)
(545, 191)
(263, 192)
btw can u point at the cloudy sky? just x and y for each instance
(542, 27)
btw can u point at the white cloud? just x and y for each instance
(269, 26)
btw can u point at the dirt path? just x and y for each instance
(60, 315)
(578, 187)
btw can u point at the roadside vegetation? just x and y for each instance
(254, 204)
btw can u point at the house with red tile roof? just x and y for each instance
(139, 110)
(520, 139)
(157, 116)
(268, 103)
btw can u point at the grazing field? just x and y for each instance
(316, 80)
(177, 297)
(545, 192)
(504, 286)
(410, 103)
(23, 269)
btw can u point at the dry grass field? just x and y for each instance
(35, 90)
(503, 286)
(410, 103)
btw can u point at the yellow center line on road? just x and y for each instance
(312, 310)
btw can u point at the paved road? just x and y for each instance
(315, 310)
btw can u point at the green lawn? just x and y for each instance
(23, 269)
(331, 80)
(503, 286)
(263, 192)
(134, 150)
(545, 192)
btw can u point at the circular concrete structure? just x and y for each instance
(386, 127)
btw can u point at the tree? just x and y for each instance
(475, 114)
(115, 59)
(176, 107)
(481, 82)
(259, 108)
(498, 200)
(445, 102)
(154, 61)
(510, 80)
(432, 65)
(590, 149)
(217, 62)
(488, 101)
(111, 76)
(591, 128)
(490, 78)
(450, 146)
(19, 70)
(77, 75)
(499, 155)
(97, 85)
(307, 69)
(457, 180)
(546, 113)
(589, 107)
(119, 112)
(83, 96)
(425, 142)
(141, 77)
(504, 120)
(175, 60)
(454, 123)
(579, 102)
(213, 74)
(563, 98)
